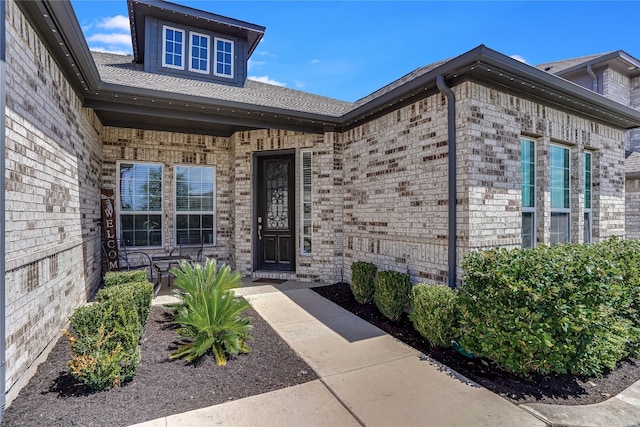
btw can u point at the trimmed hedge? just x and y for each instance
(563, 309)
(104, 342)
(113, 278)
(140, 293)
(105, 350)
(433, 313)
(391, 294)
(363, 275)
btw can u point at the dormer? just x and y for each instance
(180, 41)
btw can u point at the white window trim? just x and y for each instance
(562, 210)
(584, 177)
(197, 70)
(164, 47)
(302, 235)
(529, 209)
(176, 212)
(215, 57)
(120, 212)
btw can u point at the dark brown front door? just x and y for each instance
(275, 213)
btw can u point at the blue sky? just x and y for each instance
(348, 49)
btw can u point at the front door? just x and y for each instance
(275, 213)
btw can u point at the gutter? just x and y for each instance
(3, 319)
(451, 136)
(594, 78)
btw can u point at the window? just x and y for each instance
(587, 197)
(172, 47)
(195, 204)
(224, 58)
(528, 188)
(306, 244)
(199, 60)
(560, 194)
(140, 199)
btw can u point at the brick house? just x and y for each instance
(277, 182)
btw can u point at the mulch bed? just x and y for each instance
(554, 389)
(161, 387)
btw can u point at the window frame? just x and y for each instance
(164, 47)
(564, 210)
(215, 58)
(588, 207)
(304, 235)
(176, 212)
(529, 209)
(121, 212)
(208, 60)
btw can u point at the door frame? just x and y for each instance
(254, 210)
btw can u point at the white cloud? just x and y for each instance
(300, 84)
(519, 58)
(117, 39)
(118, 22)
(257, 64)
(265, 53)
(315, 61)
(267, 79)
(107, 50)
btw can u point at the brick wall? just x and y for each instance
(616, 86)
(633, 135)
(171, 149)
(632, 195)
(52, 196)
(497, 121)
(395, 191)
(395, 179)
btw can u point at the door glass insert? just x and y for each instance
(277, 198)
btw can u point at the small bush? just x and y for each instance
(362, 276)
(141, 293)
(433, 313)
(104, 343)
(391, 294)
(113, 278)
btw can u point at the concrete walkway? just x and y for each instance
(369, 378)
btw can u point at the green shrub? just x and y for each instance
(141, 293)
(362, 276)
(104, 343)
(433, 313)
(563, 309)
(391, 294)
(113, 278)
(210, 314)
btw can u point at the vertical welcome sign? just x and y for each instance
(109, 239)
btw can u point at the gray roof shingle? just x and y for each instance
(120, 70)
(559, 66)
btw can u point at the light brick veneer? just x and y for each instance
(52, 196)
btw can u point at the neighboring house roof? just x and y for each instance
(555, 67)
(620, 59)
(140, 9)
(124, 95)
(632, 165)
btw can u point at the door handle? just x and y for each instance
(259, 232)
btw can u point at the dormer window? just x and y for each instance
(224, 58)
(172, 47)
(199, 61)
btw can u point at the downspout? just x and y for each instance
(453, 223)
(3, 319)
(594, 78)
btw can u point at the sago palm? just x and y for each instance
(210, 314)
